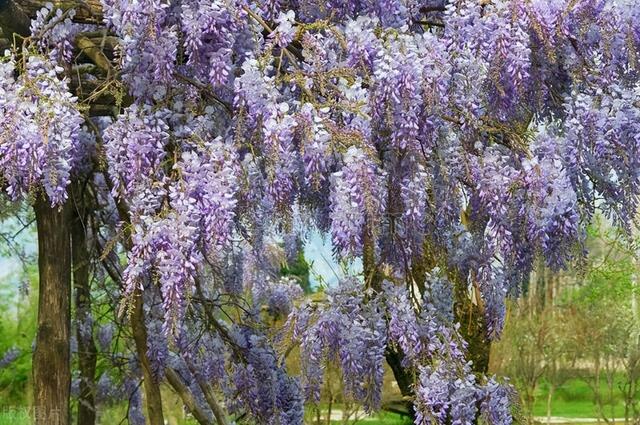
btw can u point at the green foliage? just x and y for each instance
(9, 415)
(300, 270)
(17, 330)
(608, 275)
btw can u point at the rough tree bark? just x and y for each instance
(403, 379)
(87, 353)
(51, 357)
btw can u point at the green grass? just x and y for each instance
(575, 400)
(379, 418)
(382, 418)
(11, 416)
(389, 418)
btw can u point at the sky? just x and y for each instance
(325, 270)
(10, 265)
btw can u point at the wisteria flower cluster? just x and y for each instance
(408, 144)
(445, 146)
(40, 129)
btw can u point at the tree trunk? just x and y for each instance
(394, 358)
(152, 395)
(541, 284)
(474, 331)
(330, 405)
(403, 379)
(51, 358)
(550, 289)
(87, 353)
(473, 326)
(549, 400)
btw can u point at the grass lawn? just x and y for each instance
(575, 400)
(381, 418)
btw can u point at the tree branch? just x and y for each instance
(187, 397)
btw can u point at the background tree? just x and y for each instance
(586, 334)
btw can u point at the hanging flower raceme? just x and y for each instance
(259, 385)
(277, 297)
(149, 44)
(136, 145)
(552, 205)
(210, 29)
(397, 95)
(281, 159)
(315, 145)
(206, 190)
(165, 249)
(349, 333)
(414, 195)
(602, 149)
(55, 32)
(40, 127)
(356, 202)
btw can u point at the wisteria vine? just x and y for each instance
(445, 145)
